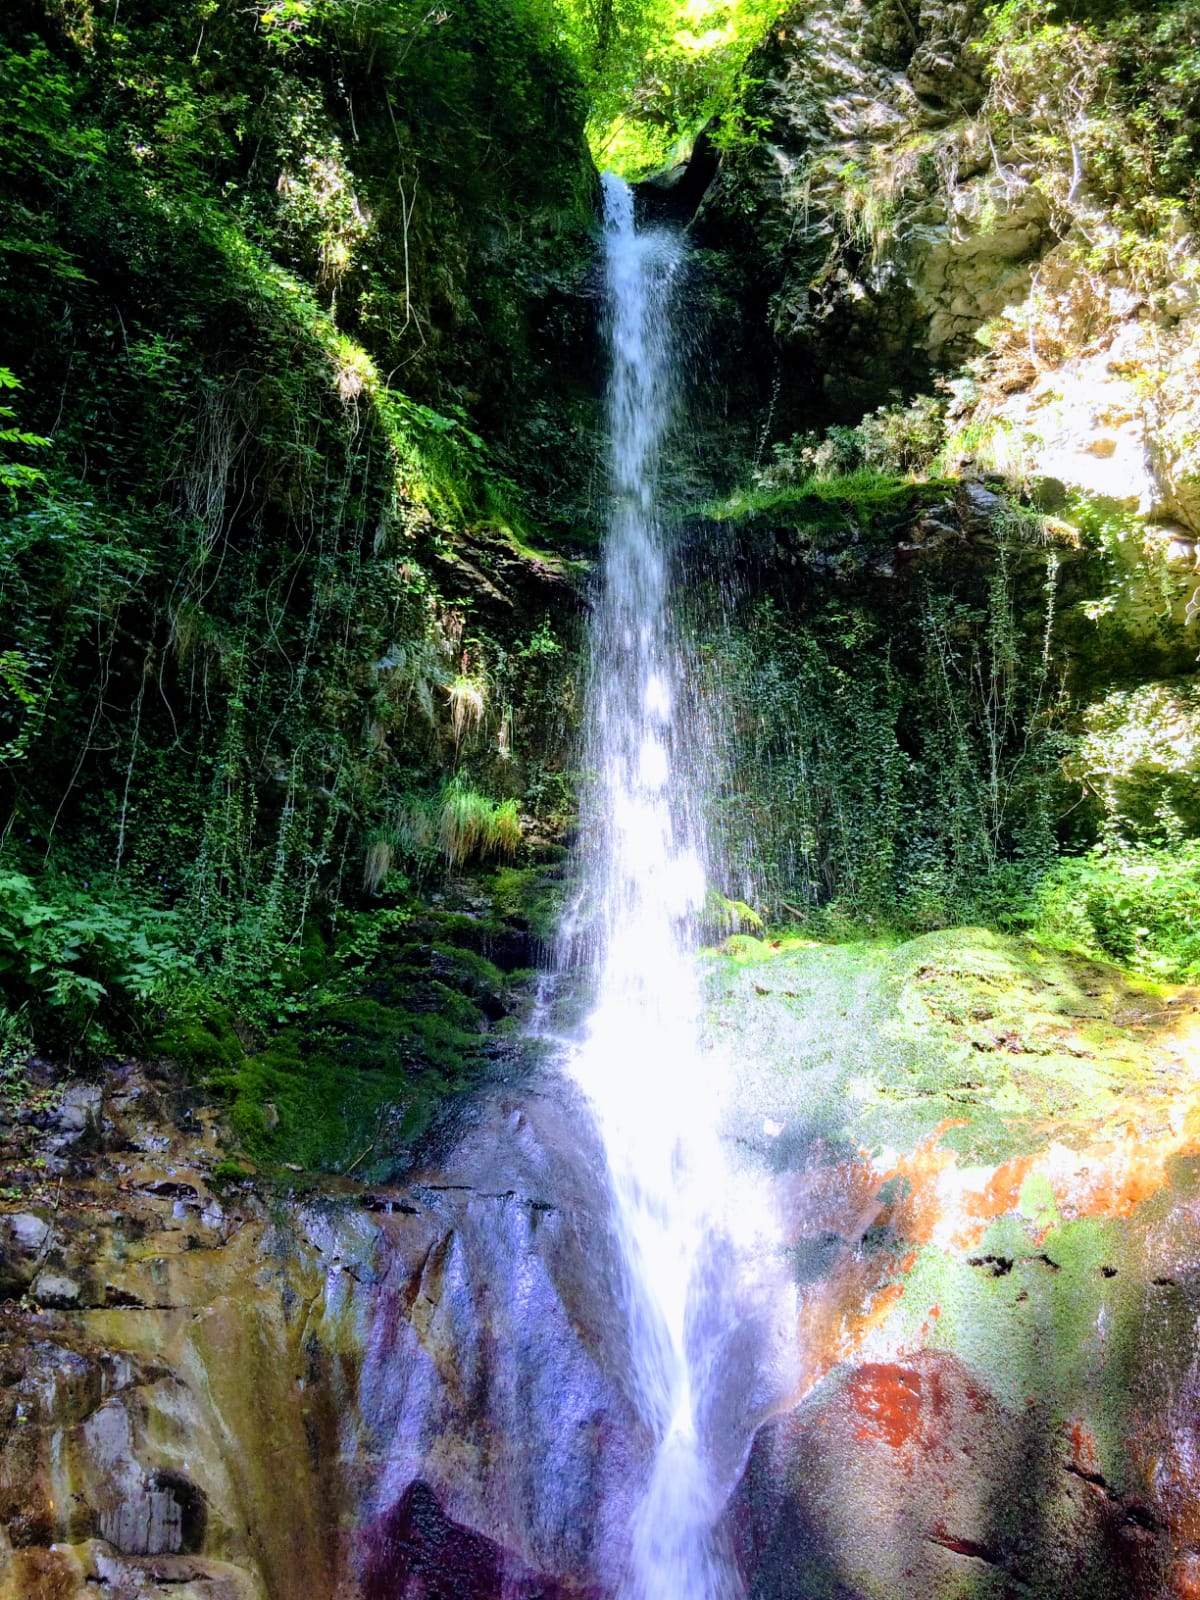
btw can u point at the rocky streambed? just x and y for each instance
(987, 1161)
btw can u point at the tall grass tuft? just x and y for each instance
(471, 825)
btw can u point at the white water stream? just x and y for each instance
(688, 1230)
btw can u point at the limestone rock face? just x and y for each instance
(882, 227)
(888, 219)
(381, 1393)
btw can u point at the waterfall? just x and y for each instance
(685, 1230)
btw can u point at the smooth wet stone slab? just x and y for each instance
(384, 1391)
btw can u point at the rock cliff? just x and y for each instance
(916, 185)
(984, 1158)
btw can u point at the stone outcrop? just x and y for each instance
(215, 1394)
(883, 226)
(889, 217)
(989, 1158)
(985, 1158)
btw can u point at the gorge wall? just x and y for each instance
(306, 1277)
(985, 1160)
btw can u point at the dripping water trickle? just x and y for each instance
(684, 1229)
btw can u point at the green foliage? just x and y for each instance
(894, 441)
(278, 293)
(1140, 907)
(471, 825)
(1135, 763)
(1101, 97)
(452, 828)
(16, 475)
(80, 966)
(892, 765)
(658, 71)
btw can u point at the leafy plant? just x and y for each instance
(1140, 907)
(16, 475)
(894, 441)
(74, 965)
(658, 71)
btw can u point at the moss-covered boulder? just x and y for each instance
(986, 1155)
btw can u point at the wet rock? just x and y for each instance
(999, 1393)
(79, 1107)
(25, 1236)
(979, 509)
(456, 1355)
(908, 1478)
(487, 567)
(170, 1189)
(165, 1578)
(861, 298)
(56, 1290)
(675, 194)
(987, 1157)
(418, 1550)
(260, 1407)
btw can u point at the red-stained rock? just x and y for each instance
(910, 1480)
(887, 1401)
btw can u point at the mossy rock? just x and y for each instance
(531, 897)
(205, 1043)
(875, 1045)
(374, 1068)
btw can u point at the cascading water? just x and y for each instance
(654, 1091)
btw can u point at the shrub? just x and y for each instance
(1140, 907)
(77, 965)
(896, 440)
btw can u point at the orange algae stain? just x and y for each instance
(1184, 1580)
(1122, 1165)
(837, 1317)
(1121, 1171)
(1083, 1448)
(1118, 1164)
(1003, 1189)
(999, 1196)
(886, 1400)
(917, 1215)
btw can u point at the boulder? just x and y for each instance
(987, 1164)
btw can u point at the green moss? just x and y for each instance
(873, 502)
(204, 1043)
(409, 1026)
(878, 1045)
(529, 895)
(462, 930)
(1052, 1321)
